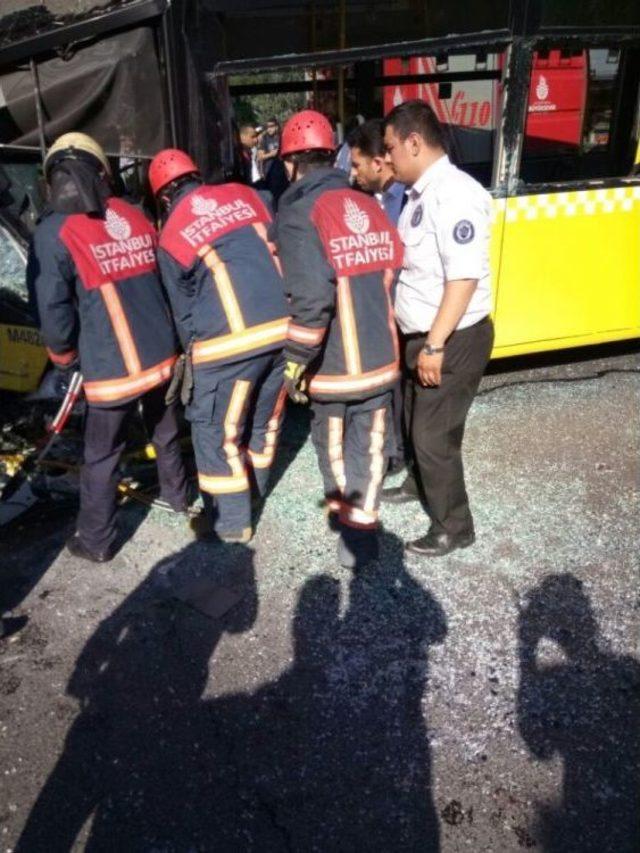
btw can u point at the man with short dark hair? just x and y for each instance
(442, 305)
(249, 142)
(370, 170)
(269, 146)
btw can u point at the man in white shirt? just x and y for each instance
(442, 305)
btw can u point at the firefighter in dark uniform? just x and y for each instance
(92, 268)
(442, 305)
(339, 252)
(225, 289)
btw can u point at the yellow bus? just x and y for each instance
(541, 99)
(544, 112)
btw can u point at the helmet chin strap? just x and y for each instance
(164, 201)
(167, 195)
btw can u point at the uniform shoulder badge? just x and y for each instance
(463, 231)
(416, 216)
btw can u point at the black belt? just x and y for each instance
(415, 335)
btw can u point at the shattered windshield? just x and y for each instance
(12, 265)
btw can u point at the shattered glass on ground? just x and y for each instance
(485, 701)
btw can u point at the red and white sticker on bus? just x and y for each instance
(473, 103)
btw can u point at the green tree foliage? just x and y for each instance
(257, 109)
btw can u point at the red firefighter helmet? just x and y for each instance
(307, 130)
(169, 165)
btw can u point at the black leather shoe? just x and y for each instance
(357, 548)
(398, 495)
(76, 547)
(439, 544)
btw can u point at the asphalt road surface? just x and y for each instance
(188, 697)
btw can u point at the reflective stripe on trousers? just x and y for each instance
(353, 442)
(236, 412)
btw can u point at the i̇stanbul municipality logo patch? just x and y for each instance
(355, 218)
(116, 226)
(201, 206)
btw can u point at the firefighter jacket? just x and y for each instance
(100, 300)
(339, 254)
(221, 277)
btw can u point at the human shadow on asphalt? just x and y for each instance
(29, 548)
(27, 552)
(333, 754)
(585, 710)
(137, 757)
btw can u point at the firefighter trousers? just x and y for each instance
(353, 441)
(235, 415)
(105, 436)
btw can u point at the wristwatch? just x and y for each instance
(432, 350)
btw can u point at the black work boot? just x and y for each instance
(235, 537)
(76, 547)
(438, 544)
(333, 522)
(357, 547)
(202, 527)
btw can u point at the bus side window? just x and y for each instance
(469, 105)
(580, 115)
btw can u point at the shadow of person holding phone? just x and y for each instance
(585, 709)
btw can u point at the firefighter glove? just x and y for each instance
(181, 384)
(175, 385)
(294, 382)
(187, 383)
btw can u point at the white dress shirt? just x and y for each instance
(445, 228)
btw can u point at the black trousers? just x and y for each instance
(435, 420)
(397, 409)
(105, 434)
(353, 442)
